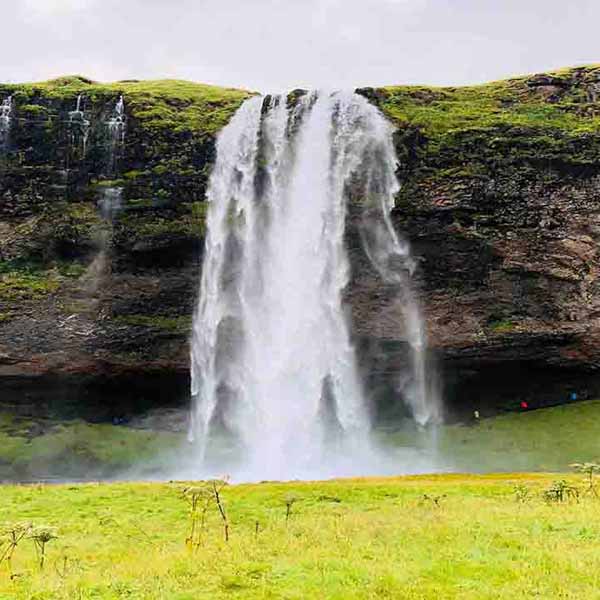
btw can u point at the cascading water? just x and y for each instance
(79, 125)
(116, 125)
(370, 144)
(275, 384)
(6, 109)
(111, 199)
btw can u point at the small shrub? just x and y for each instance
(521, 493)
(41, 537)
(11, 535)
(200, 498)
(435, 500)
(589, 469)
(217, 486)
(561, 491)
(289, 500)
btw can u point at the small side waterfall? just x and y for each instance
(79, 126)
(110, 195)
(375, 183)
(111, 199)
(111, 202)
(116, 130)
(6, 109)
(276, 389)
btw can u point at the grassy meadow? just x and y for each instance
(414, 537)
(547, 439)
(420, 537)
(542, 440)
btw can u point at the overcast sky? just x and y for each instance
(273, 45)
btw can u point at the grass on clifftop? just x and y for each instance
(163, 104)
(514, 102)
(450, 537)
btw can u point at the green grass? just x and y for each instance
(541, 440)
(369, 538)
(364, 538)
(75, 449)
(173, 324)
(148, 226)
(502, 103)
(159, 105)
(455, 133)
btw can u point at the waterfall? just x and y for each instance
(6, 109)
(77, 120)
(275, 385)
(116, 124)
(110, 202)
(371, 146)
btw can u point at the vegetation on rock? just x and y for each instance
(376, 538)
(498, 197)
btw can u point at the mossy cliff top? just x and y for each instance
(552, 117)
(162, 104)
(565, 100)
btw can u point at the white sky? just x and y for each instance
(273, 45)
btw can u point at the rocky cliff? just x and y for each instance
(499, 201)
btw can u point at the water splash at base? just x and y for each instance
(276, 389)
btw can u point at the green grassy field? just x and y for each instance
(548, 439)
(368, 538)
(543, 440)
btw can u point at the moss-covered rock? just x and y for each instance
(101, 241)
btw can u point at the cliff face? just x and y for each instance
(95, 308)
(499, 201)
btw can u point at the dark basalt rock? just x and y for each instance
(502, 213)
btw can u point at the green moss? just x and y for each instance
(502, 326)
(31, 280)
(109, 183)
(160, 227)
(140, 203)
(526, 120)
(155, 105)
(73, 224)
(27, 280)
(189, 220)
(198, 211)
(512, 102)
(17, 285)
(174, 324)
(32, 111)
(134, 174)
(72, 270)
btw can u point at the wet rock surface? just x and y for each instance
(502, 213)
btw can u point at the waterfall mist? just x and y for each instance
(275, 385)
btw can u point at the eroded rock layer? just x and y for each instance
(500, 197)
